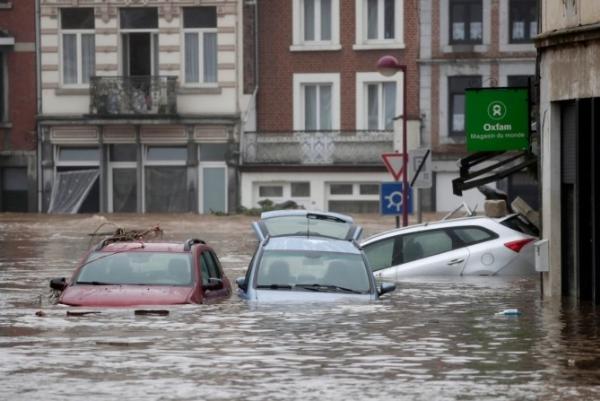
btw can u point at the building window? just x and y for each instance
(456, 100)
(78, 45)
(139, 41)
(3, 96)
(340, 189)
(466, 22)
(165, 180)
(300, 189)
(379, 21)
(522, 20)
(519, 81)
(14, 189)
(316, 20)
(353, 197)
(316, 102)
(200, 32)
(381, 105)
(270, 191)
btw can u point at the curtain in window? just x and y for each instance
(70, 59)
(389, 102)
(88, 53)
(325, 19)
(192, 69)
(309, 20)
(210, 57)
(166, 189)
(124, 190)
(70, 190)
(372, 106)
(310, 107)
(372, 19)
(325, 106)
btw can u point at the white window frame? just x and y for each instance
(362, 41)
(78, 45)
(154, 50)
(365, 78)
(505, 45)
(298, 42)
(200, 32)
(300, 80)
(76, 163)
(445, 28)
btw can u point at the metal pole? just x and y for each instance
(404, 152)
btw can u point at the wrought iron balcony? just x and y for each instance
(316, 147)
(133, 96)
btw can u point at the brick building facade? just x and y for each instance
(17, 106)
(323, 112)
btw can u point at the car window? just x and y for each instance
(139, 268)
(425, 244)
(473, 235)
(210, 269)
(297, 268)
(380, 253)
(519, 223)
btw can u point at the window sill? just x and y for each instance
(5, 124)
(378, 46)
(466, 48)
(72, 92)
(315, 48)
(199, 90)
(6, 6)
(517, 47)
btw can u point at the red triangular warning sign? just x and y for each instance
(394, 163)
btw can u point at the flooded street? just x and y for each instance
(428, 340)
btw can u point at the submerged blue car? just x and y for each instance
(308, 256)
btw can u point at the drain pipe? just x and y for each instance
(38, 72)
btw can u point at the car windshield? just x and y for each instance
(307, 225)
(521, 224)
(142, 268)
(313, 271)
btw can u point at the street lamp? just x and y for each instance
(388, 66)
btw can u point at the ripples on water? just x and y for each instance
(435, 340)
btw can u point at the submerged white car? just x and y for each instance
(467, 246)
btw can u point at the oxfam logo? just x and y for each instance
(496, 110)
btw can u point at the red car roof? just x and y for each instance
(143, 247)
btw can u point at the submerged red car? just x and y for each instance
(133, 273)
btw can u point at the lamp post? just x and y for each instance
(388, 66)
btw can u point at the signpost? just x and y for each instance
(497, 119)
(390, 199)
(394, 162)
(419, 168)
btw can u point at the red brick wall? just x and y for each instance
(19, 22)
(277, 63)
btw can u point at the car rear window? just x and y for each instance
(520, 224)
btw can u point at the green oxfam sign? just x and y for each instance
(497, 119)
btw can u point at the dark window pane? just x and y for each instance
(466, 21)
(519, 81)
(379, 254)
(124, 190)
(473, 235)
(389, 26)
(77, 18)
(213, 152)
(456, 100)
(425, 244)
(522, 20)
(200, 17)
(14, 189)
(301, 189)
(123, 153)
(166, 189)
(275, 191)
(79, 154)
(167, 153)
(369, 189)
(139, 18)
(340, 189)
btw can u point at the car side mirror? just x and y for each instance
(386, 287)
(241, 283)
(59, 283)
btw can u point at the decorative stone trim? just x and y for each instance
(163, 134)
(107, 31)
(226, 48)
(50, 85)
(118, 134)
(106, 49)
(169, 67)
(226, 66)
(169, 49)
(49, 49)
(50, 67)
(72, 135)
(226, 29)
(106, 67)
(210, 134)
(199, 90)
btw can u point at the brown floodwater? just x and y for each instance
(435, 339)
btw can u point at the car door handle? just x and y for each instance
(455, 261)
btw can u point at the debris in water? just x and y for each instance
(71, 313)
(125, 343)
(151, 312)
(40, 313)
(509, 312)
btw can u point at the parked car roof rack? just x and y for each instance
(191, 242)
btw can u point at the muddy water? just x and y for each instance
(436, 340)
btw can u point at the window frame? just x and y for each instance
(299, 83)
(154, 47)
(363, 79)
(492, 235)
(452, 133)
(362, 40)
(200, 32)
(79, 33)
(299, 43)
(527, 38)
(468, 21)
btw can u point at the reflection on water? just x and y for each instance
(436, 340)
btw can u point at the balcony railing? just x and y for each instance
(132, 96)
(316, 147)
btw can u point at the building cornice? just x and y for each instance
(568, 36)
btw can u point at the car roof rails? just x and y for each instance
(191, 242)
(123, 235)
